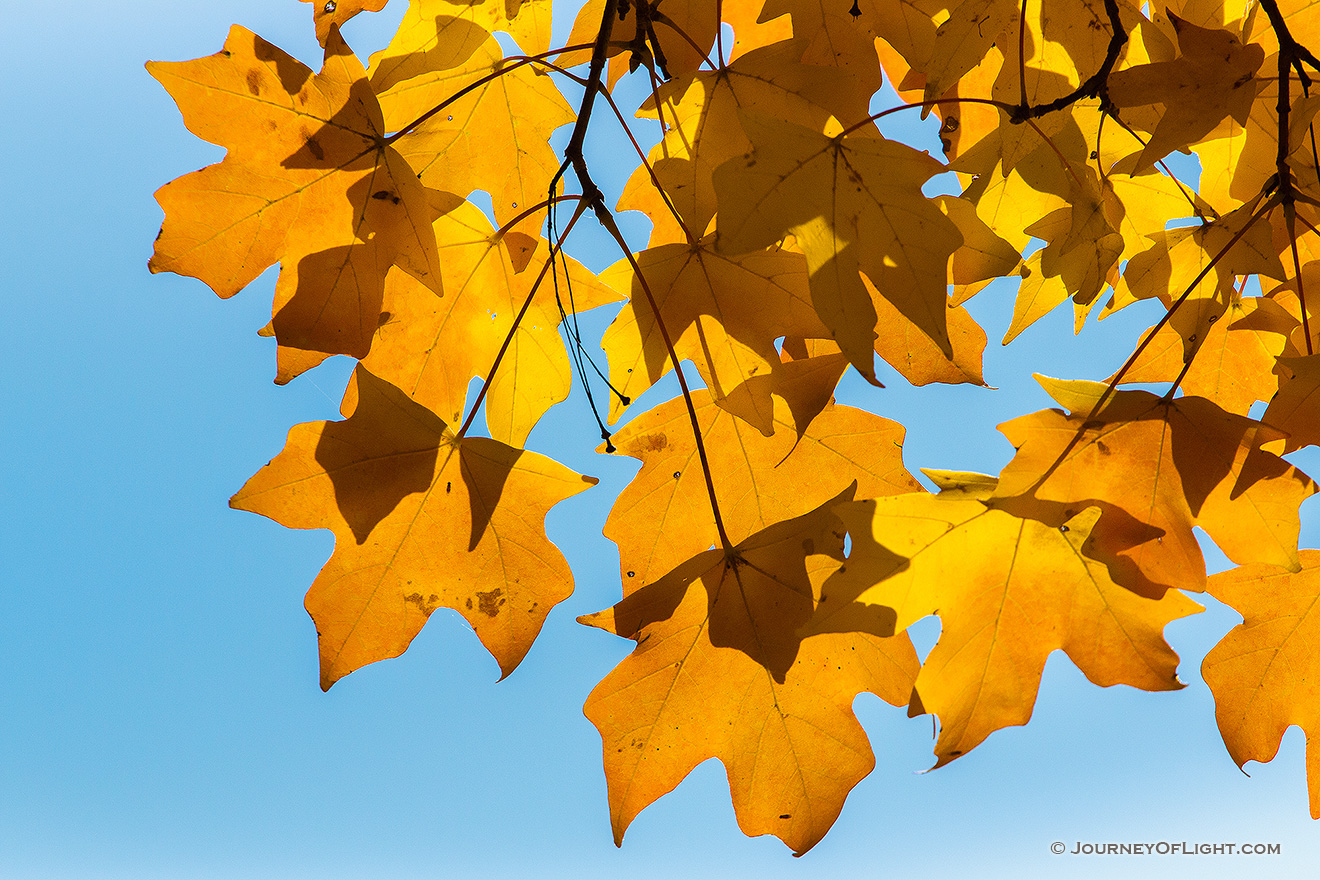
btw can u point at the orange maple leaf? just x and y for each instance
(308, 181)
(854, 205)
(664, 515)
(330, 13)
(1233, 364)
(1296, 407)
(1264, 674)
(719, 671)
(1156, 468)
(1008, 592)
(432, 347)
(422, 520)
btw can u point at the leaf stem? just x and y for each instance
(527, 302)
(533, 209)
(1268, 205)
(1022, 54)
(591, 195)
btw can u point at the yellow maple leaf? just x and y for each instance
(724, 313)
(432, 347)
(854, 205)
(331, 13)
(1156, 468)
(1213, 77)
(1263, 673)
(804, 379)
(527, 21)
(664, 515)
(962, 40)
(1008, 592)
(1199, 264)
(836, 35)
(493, 137)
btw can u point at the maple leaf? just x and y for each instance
(681, 35)
(1084, 241)
(1213, 77)
(664, 514)
(724, 313)
(701, 111)
(719, 671)
(907, 348)
(476, 142)
(984, 254)
(1082, 254)
(1232, 365)
(1294, 408)
(854, 205)
(1263, 673)
(432, 347)
(332, 13)
(1199, 264)
(1155, 468)
(1008, 592)
(422, 520)
(804, 380)
(424, 24)
(308, 180)
(834, 36)
(962, 40)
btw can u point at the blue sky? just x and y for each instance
(159, 708)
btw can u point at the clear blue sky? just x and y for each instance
(159, 708)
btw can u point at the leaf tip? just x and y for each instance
(600, 620)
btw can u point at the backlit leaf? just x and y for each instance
(422, 520)
(719, 671)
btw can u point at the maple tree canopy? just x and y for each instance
(773, 547)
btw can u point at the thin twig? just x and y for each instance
(1022, 55)
(574, 158)
(508, 338)
(553, 200)
(1268, 205)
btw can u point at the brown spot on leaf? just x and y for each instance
(489, 603)
(254, 81)
(315, 149)
(424, 604)
(649, 443)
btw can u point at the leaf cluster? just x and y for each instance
(773, 547)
